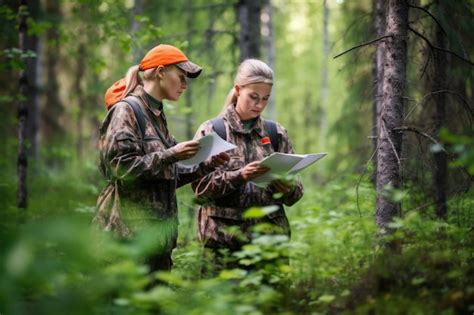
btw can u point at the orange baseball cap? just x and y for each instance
(161, 55)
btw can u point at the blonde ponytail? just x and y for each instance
(131, 80)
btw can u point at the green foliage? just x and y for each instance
(462, 146)
(56, 262)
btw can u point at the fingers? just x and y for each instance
(280, 186)
(224, 156)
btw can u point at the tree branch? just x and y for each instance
(438, 48)
(360, 179)
(392, 145)
(418, 131)
(465, 103)
(429, 13)
(361, 45)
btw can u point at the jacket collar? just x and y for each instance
(235, 123)
(145, 99)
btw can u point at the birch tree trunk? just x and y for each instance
(22, 161)
(390, 141)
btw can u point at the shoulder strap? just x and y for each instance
(219, 127)
(271, 128)
(269, 125)
(131, 100)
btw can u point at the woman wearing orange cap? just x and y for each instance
(138, 154)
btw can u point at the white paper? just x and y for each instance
(284, 163)
(209, 146)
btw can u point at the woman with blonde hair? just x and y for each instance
(229, 190)
(138, 154)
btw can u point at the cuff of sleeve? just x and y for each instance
(169, 156)
(205, 168)
(236, 178)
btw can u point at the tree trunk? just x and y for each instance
(440, 83)
(33, 74)
(22, 161)
(137, 52)
(53, 109)
(189, 95)
(390, 141)
(324, 95)
(269, 44)
(249, 19)
(379, 8)
(81, 102)
(308, 123)
(211, 53)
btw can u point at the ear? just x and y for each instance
(159, 71)
(237, 90)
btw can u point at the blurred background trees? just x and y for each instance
(58, 57)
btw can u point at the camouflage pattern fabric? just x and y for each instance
(142, 174)
(225, 195)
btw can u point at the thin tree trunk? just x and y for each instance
(33, 73)
(136, 50)
(308, 123)
(390, 141)
(81, 102)
(440, 83)
(269, 44)
(22, 161)
(324, 95)
(249, 19)
(53, 109)
(189, 96)
(211, 53)
(379, 7)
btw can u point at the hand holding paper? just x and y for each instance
(209, 146)
(283, 164)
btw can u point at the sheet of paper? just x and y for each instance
(209, 146)
(282, 163)
(307, 161)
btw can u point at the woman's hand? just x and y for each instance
(185, 150)
(218, 160)
(280, 186)
(253, 170)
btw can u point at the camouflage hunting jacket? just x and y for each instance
(142, 173)
(224, 191)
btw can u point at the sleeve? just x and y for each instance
(296, 193)
(122, 150)
(220, 182)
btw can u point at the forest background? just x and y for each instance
(385, 87)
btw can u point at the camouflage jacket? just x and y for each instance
(225, 189)
(142, 173)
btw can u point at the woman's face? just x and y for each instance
(252, 99)
(172, 83)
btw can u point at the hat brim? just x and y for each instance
(192, 70)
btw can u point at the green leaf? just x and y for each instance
(256, 212)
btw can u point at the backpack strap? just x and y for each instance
(269, 125)
(219, 127)
(137, 110)
(271, 128)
